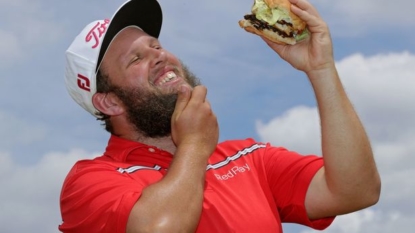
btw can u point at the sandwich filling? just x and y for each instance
(276, 19)
(263, 12)
(262, 25)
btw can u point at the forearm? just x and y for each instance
(350, 170)
(173, 204)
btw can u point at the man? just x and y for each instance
(163, 169)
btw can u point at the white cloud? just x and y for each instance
(30, 194)
(297, 129)
(382, 89)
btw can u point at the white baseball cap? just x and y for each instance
(84, 55)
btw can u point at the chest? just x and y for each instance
(235, 200)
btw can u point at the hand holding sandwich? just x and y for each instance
(286, 26)
(314, 53)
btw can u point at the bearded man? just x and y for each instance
(164, 170)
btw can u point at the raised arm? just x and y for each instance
(174, 204)
(349, 180)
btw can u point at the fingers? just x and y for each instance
(306, 11)
(280, 49)
(199, 94)
(187, 96)
(310, 19)
(304, 5)
(193, 120)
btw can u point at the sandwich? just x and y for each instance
(274, 20)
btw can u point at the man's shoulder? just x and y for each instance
(93, 166)
(236, 145)
(97, 162)
(232, 149)
(239, 143)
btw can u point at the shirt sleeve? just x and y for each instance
(289, 175)
(98, 198)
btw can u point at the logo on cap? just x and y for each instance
(84, 83)
(97, 32)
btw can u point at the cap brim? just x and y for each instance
(146, 14)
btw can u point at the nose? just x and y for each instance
(158, 56)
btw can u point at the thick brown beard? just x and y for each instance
(149, 112)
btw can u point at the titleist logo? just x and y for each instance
(97, 32)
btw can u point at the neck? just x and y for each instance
(126, 131)
(164, 143)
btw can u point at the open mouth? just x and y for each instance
(167, 77)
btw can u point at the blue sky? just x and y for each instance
(253, 92)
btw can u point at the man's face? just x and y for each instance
(145, 77)
(135, 59)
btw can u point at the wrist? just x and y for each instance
(198, 153)
(329, 71)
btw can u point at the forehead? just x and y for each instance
(122, 44)
(125, 38)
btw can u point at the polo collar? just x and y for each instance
(127, 151)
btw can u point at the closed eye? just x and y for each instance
(156, 46)
(135, 59)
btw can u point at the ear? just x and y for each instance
(108, 104)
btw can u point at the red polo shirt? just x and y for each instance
(250, 187)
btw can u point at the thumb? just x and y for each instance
(182, 98)
(275, 46)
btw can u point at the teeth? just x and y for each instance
(169, 76)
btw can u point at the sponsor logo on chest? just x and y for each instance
(233, 172)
